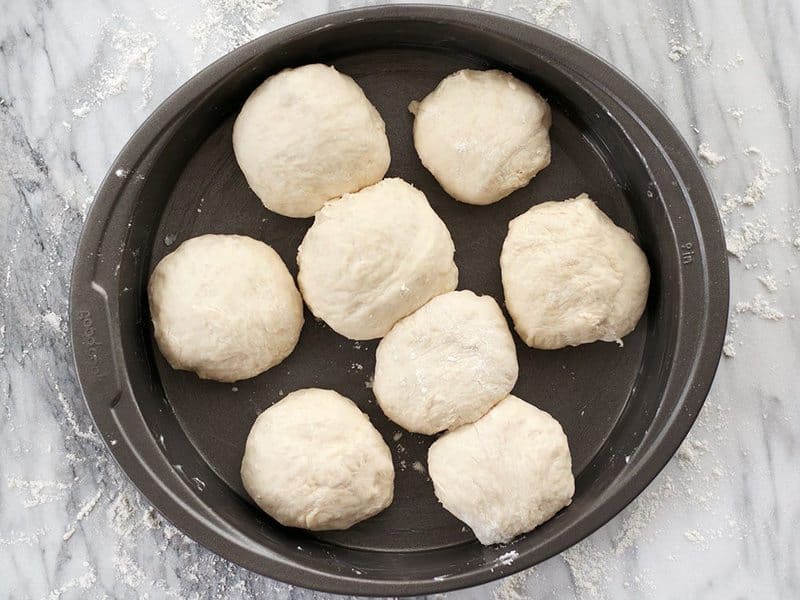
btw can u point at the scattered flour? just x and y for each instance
(81, 111)
(125, 49)
(705, 152)
(634, 524)
(768, 281)
(53, 320)
(756, 189)
(677, 50)
(39, 491)
(225, 24)
(760, 307)
(72, 421)
(151, 519)
(734, 63)
(513, 587)
(83, 209)
(686, 44)
(28, 539)
(728, 348)
(737, 114)
(593, 567)
(122, 516)
(84, 511)
(508, 558)
(553, 14)
(83, 582)
(135, 49)
(482, 4)
(585, 562)
(694, 536)
(690, 453)
(740, 242)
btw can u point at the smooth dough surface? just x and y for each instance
(505, 474)
(313, 460)
(570, 276)
(225, 307)
(445, 364)
(482, 134)
(307, 135)
(373, 257)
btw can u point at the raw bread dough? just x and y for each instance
(313, 460)
(372, 257)
(225, 307)
(505, 474)
(482, 134)
(445, 364)
(307, 135)
(571, 276)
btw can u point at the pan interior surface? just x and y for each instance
(624, 409)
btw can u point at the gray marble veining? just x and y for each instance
(78, 76)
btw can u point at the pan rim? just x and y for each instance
(708, 225)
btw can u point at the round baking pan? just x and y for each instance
(625, 409)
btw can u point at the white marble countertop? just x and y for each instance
(78, 76)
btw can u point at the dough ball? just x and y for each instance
(307, 135)
(505, 474)
(373, 257)
(313, 460)
(225, 307)
(571, 276)
(445, 364)
(482, 134)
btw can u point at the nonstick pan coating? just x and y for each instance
(625, 410)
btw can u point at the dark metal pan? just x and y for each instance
(625, 410)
